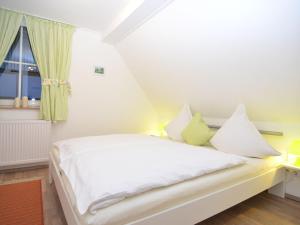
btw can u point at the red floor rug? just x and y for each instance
(21, 203)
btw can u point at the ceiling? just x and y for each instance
(92, 14)
(215, 54)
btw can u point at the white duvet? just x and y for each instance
(103, 170)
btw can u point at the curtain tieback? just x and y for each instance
(57, 83)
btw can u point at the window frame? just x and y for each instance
(20, 63)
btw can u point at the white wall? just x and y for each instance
(212, 54)
(111, 103)
(101, 105)
(215, 54)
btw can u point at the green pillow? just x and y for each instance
(196, 132)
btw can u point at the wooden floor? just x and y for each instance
(263, 209)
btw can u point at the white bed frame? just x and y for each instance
(190, 212)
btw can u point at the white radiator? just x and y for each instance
(24, 142)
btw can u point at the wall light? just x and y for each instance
(158, 131)
(294, 153)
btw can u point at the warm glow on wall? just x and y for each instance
(159, 130)
(294, 153)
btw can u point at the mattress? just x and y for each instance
(159, 199)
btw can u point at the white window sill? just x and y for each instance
(13, 108)
(9, 105)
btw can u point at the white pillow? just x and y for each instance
(176, 126)
(239, 136)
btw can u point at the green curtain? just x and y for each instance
(9, 25)
(51, 44)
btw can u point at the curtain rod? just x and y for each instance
(44, 18)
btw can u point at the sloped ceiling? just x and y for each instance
(92, 14)
(215, 54)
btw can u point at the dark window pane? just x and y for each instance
(27, 51)
(9, 74)
(31, 82)
(14, 51)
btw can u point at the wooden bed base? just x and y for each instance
(190, 212)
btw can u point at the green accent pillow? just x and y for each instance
(196, 132)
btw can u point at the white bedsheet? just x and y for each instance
(104, 170)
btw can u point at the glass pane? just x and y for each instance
(31, 82)
(27, 51)
(14, 51)
(9, 74)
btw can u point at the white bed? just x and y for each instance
(185, 203)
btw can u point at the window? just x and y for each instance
(19, 74)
